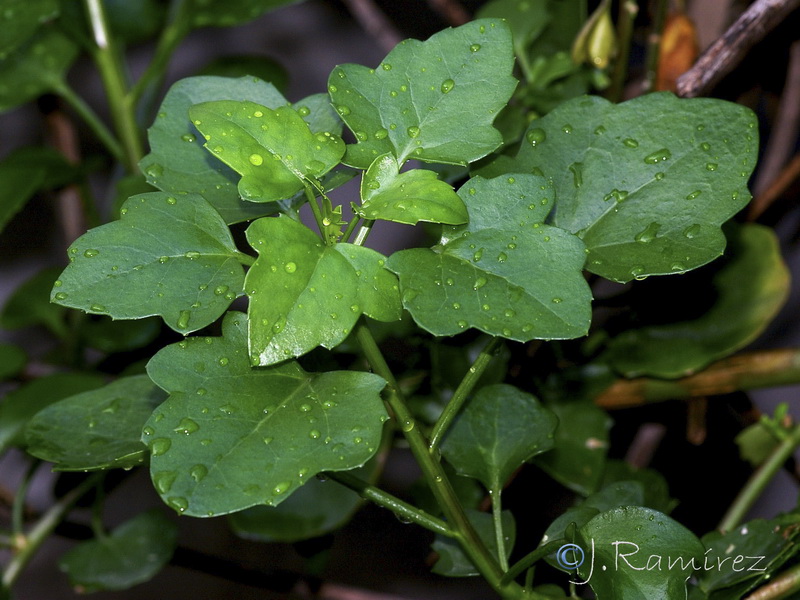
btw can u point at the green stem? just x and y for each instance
(171, 36)
(361, 237)
(245, 259)
(109, 62)
(86, 113)
(463, 391)
(523, 62)
(497, 517)
(654, 46)
(18, 509)
(531, 558)
(312, 200)
(351, 226)
(759, 480)
(403, 510)
(628, 9)
(42, 530)
(434, 473)
(783, 586)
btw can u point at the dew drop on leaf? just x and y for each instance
(256, 159)
(658, 156)
(160, 446)
(163, 481)
(91, 252)
(179, 503)
(183, 319)
(630, 143)
(447, 85)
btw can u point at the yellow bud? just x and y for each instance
(596, 43)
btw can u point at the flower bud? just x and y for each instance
(596, 42)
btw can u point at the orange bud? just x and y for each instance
(678, 51)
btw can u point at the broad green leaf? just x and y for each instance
(135, 20)
(263, 67)
(19, 406)
(656, 489)
(378, 289)
(526, 18)
(227, 13)
(645, 553)
(21, 18)
(452, 560)
(738, 561)
(499, 429)
(12, 360)
(750, 290)
(645, 184)
(30, 305)
(274, 150)
(409, 197)
(578, 458)
(231, 436)
(179, 164)
(316, 508)
(131, 554)
(302, 294)
(131, 269)
(317, 111)
(35, 68)
(98, 429)
(504, 273)
(433, 101)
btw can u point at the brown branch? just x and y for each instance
(375, 22)
(723, 55)
(451, 11)
(786, 178)
(767, 368)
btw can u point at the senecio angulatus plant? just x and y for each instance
(236, 423)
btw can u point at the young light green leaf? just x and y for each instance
(19, 406)
(504, 273)
(750, 290)
(647, 554)
(30, 305)
(98, 429)
(274, 150)
(409, 197)
(378, 288)
(20, 19)
(452, 560)
(217, 447)
(433, 101)
(302, 294)
(646, 192)
(179, 164)
(227, 13)
(126, 270)
(12, 360)
(499, 429)
(131, 554)
(35, 68)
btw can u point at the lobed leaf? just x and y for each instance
(189, 277)
(433, 101)
(230, 436)
(378, 290)
(645, 184)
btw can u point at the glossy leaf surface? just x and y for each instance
(98, 429)
(230, 436)
(378, 289)
(645, 192)
(434, 101)
(504, 273)
(188, 277)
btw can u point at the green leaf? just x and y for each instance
(30, 305)
(317, 111)
(98, 429)
(274, 150)
(505, 273)
(179, 164)
(498, 430)
(302, 294)
(433, 101)
(452, 560)
(35, 68)
(21, 18)
(526, 18)
(581, 444)
(12, 360)
(19, 406)
(110, 336)
(409, 197)
(135, 20)
(133, 553)
(656, 489)
(646, 554)
(378, 290)
(127, 270)
(646, 192)
(217, 447)
(227, 13)
(243, 65)
(316, 508)
(756, 442)
(750, 290)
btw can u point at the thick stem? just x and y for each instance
(463, 391)
(783, 586)
(109, 62)
(759, 480)
(403, 510)
(351, 227)
(628, 9)
(312, 201)
(362, 234)
(245, 259)
(434, 473)
(654, 46)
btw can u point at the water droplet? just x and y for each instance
(693, 195)
(599, 130)
(61, 296)
(198, 472)
(187, 426)
(577, 174)
(557, 300)
(447, 85)
(343, 110)
(386, 67)
(691, 231)
(256, 159)
(179, 503)
(192, 255)
(314, 434)
(97, 308)
(456, 305)
(659, 176)
(163, 481)
(502, 257)
(567, 129)
(290, 267)
(536, 136)
(658, 156)
(220, 290)
(223, 361)
(163, 260)
(201, 391)
(711, 166)
(159, 446)
(678, 267)
(462, 324)
(478, 255)
(91, 252)
(281, 488)
(305, 408)
(154, 170)
(705, 146)
(474, 47)
(479, 283)
(648, 234)
(381, 134)
(637, 272)
(188, 137)
(486, 307)
(630, 143)
(413, 131)
(183, 319)
(615, 194)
